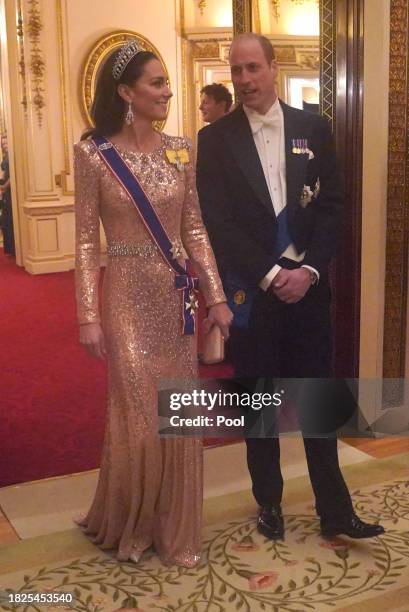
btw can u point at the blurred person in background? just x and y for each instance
(215, 102)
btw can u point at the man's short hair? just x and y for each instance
(219, 93)
(265, 44)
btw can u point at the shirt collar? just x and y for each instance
(254, 115)
(274, 117)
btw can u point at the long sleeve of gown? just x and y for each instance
(196, 241)
(87, 237)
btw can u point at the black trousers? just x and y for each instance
(291, 341)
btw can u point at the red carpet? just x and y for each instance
(52, 395)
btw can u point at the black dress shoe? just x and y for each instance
(270, 522)
(351, 526)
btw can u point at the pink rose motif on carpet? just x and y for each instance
(335, 544)
(247, 544)
(262, 581)
(129, 610)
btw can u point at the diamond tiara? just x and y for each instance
(127, 52)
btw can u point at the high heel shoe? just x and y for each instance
(135, 556)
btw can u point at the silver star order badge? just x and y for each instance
(176, 250)
(192, 304)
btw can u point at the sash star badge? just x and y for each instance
(176, 249)
(178, 158)
(306, 196)
(192, 304)
(317, 188)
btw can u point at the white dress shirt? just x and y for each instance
(269, 138)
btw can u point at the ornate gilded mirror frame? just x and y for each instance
(97, 55)
(242, 22)
(341, 62)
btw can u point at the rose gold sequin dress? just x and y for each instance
(150, 488)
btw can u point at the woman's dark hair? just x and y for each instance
(108, 108)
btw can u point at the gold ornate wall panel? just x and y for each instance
(65, 178)
(35, 143)
(396, 284)
(255, 17)
(328, 58)
(205, 59)
(22, 60)
(242, 14)
(36, 65)
(296, 59)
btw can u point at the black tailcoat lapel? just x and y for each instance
(241, 142)
(296, 164)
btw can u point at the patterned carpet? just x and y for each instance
(240, 569)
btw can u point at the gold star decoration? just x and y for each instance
(192, 304)
(176, 250)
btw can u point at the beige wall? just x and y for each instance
(208, 14)
(70, 28)
(375, 157)
(287, 18)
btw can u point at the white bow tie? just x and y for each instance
(258, 121)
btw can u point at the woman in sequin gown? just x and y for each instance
(150, 488)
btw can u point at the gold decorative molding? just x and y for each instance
(396, 272)
(302, 56)
(275, 5)
(205, 49)
(182, 16)
(61, 179)
(328, 11)
(198, 56)
(309, 60)
(241, 16)
(37, 63)
(22, 62)
(256, 16)
(286, 54)
(201, 5)
(96, 57)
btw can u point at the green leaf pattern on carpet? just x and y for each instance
(240, 570)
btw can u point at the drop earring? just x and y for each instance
(129, 115)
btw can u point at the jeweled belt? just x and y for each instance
(118, 249)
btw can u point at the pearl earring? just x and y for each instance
(129, 115)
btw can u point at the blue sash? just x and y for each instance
(184, 282)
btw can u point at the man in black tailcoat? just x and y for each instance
(272, 203)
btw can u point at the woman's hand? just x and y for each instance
(221, 315)
(92, 338)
